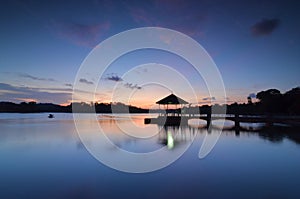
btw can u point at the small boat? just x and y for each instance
(50, 116)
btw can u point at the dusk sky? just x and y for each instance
(255, 45)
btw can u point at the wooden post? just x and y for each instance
(208, 119)
(269, 122)
(167, 112)
(236, 121)
(159, 110)
(237, 132)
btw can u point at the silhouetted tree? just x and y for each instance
(292, 100)
(249, 99)
(271, 101)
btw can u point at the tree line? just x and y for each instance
(270, 101)
(33, 107)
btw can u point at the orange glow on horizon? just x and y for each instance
(27, 99)
(147, 102)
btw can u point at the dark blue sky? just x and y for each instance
(255, 44)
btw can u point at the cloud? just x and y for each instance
(85, 81)
(252, 95)
(19, 93)
(81, 34)
(209, 98)
(140, 15)
(53, 89)
(132, 86)
(114, 77)
(265, 27)
(69, 85)
(184, 16)
(25, 75)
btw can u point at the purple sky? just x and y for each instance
(255, 44)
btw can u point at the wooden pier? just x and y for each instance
(237, 119)
(177, 117)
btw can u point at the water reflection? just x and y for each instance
(172, 136)
(43, 158)
(274, 134)
(277, 134)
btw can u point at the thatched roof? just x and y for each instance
(172, 99)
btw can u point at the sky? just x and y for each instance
(255, 45)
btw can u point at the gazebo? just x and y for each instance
(171, 100)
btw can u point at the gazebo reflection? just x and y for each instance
(173, 136)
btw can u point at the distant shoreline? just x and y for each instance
(270, 102)
(33, 107)
(241, 109)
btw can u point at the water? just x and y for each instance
(44, 158)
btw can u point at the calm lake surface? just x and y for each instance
(44, 158)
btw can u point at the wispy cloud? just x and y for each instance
(69, 85)
(132, 86)
(252, 95)
(183, 16)
(25, 75)
(113, 77)
(141, 16)
(116, 78)
(85, 81)
(81, 34)
(18, 93)
(209, 98)
(265, 27)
